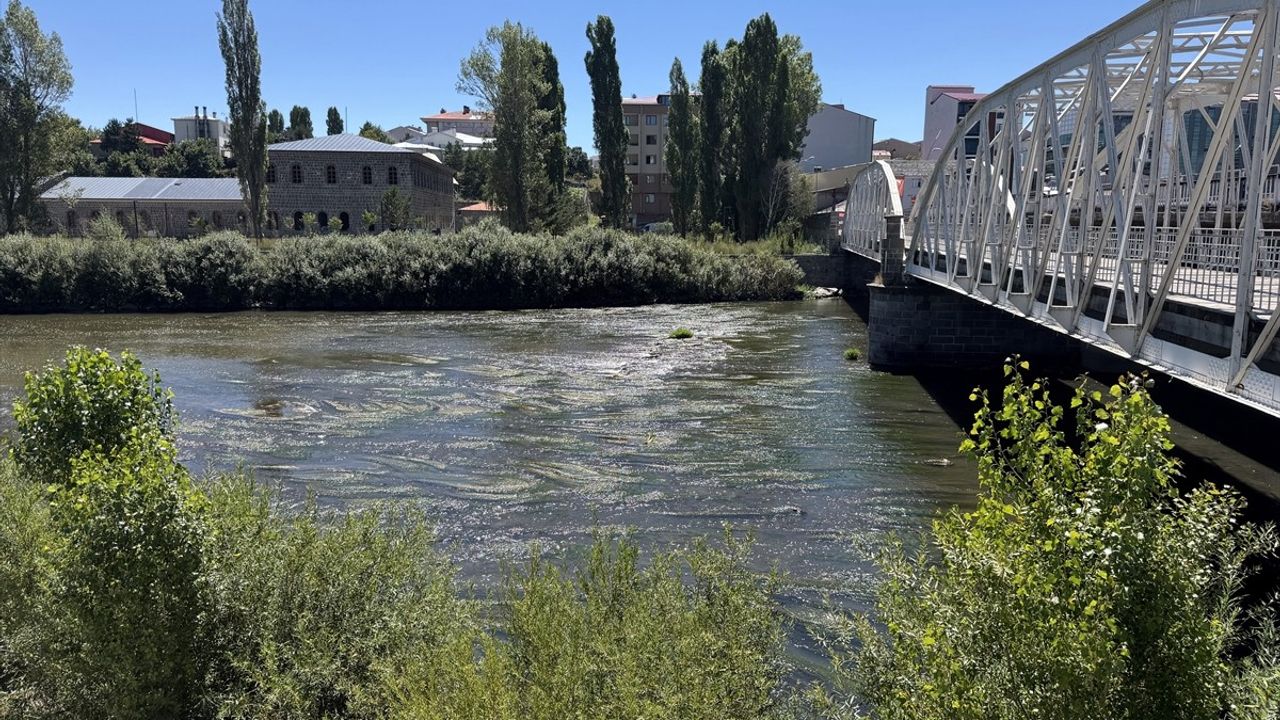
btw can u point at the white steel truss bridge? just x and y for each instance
(1125, 192)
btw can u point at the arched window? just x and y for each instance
(331, 175)
(346, 221)
(217, 219)
(144, 222)
(295, 174)
(393, 175)
(73, 223)
(95, 214)
(297, 221)
(367, 175)
(322, 219)
(271, 173)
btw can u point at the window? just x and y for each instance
(322, 220)
(297, 220)
(295, 174)
(73, 222)
(242, 221)
(331, 175)
(650, 139)
(217, 219)
(649, 198)
(393, 175)
(650, 119)
(633, 140)
(630, 120)
(633, 159)
(650, 159)
(345, 219)
(366, 175)
(666, 120)
(649, 179)
(271, 173)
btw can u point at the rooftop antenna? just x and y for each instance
(135, 105)
(346, 121)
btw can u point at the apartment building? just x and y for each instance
(646, 122)
(466, 120)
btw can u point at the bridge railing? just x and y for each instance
(873, 195)
(1139, 167)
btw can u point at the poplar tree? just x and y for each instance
(333, 122)
(507, 73)
(610, 132)
(35, 79)
(275, 126)
(711, 125)
(300, 127)
(682, 152)
(238, 40)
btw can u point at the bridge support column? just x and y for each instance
(914, 325)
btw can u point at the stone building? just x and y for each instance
(337, 176)
(341, 176)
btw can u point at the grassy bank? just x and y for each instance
(483, 267)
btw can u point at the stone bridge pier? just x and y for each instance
(915, 325)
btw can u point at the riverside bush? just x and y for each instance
(481, 267)
(1084, 584)
(129, 591)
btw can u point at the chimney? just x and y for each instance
(466, 109)
(443, 111)
(206, 112)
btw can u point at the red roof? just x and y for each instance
(965, 97)
(142, 139)
(478, 207)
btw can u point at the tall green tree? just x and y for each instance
(35, 79)
(606, 120)
(771, 90)
(198, 158)
(507, 72)
(578, 165)
(682, 152)
(238, 40)
(711, 121)
(119, 137)
(333, 122)
(275, 126)
(552, 104)
(300, 127)
(374, 132)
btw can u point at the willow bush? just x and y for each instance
(481, 267)
(1084, 585)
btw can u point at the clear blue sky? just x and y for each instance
(391, 62)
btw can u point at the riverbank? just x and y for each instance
(480, 268)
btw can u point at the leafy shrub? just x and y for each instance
(852, 354)
(315, 614)
(218, 271)
(104, 228)
(90, 404)
(481, 267)
(1084, 585)
(692, 635)
(681, 333)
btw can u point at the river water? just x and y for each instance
(521, 428)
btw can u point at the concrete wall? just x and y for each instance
(837, 138)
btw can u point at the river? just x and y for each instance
(521, 428)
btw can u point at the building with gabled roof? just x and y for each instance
(337, 177)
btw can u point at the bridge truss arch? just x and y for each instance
(873, 195)
(1123, 186)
